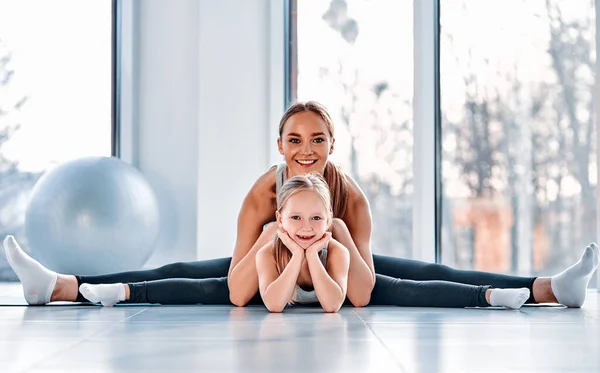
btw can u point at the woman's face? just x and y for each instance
(304, 217)
(305, 143)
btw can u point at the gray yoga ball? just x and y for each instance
(92, 216)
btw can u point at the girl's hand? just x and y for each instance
(319, 245)
(289, 243)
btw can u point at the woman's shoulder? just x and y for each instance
(264, 186)
(355, 193)
(358, 204)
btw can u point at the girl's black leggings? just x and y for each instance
(399, 282)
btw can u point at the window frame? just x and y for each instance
(124, 124)
(597, 117)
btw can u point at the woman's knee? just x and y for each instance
(268, 232)
(175, 270)
(270, 227)
(437, 271)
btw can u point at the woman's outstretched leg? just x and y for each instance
(212, 268)
(38, 281)
(568, 287)
(41, 285)
(409, 293)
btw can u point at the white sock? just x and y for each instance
(107, 294)
(570, 286)
(509, 298)
(38, 281)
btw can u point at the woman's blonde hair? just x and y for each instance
(296, 184)
(335, 178)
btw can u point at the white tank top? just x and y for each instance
(302, 296)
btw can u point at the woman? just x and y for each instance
(306, 139)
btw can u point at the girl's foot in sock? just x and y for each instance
(107, 294)
(509, 298)
(38, 281)
(570, 286)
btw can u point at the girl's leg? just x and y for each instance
(410, 293)
(181, 291)
(214, 268)
(207, 269)
(423, 271)
(167, 291)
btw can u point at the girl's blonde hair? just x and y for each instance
(335, 178)
(296, 184)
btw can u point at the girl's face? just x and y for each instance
(305, 143)
(304, 217)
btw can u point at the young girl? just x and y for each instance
(302, 264)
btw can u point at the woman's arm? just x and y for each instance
(257, 209)
(330, 282)
(276, 290)
(354, 232)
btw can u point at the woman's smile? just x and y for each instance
(306, 163)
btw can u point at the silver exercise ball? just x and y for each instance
(92, 216)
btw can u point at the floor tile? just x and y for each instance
(227, 356)
(493, 347)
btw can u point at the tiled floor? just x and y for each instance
(229, 339)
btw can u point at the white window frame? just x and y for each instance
(277, 66)
(597, 116)
(127, 126)
(425, 227)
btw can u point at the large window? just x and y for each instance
(55, 95)
(518, 133)
(356, 57)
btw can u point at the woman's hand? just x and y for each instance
(289, 242)
(319, 245)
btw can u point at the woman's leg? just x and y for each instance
(410, 293)
(40, 285)
(199, 269)
(424, 271)
(568, 287)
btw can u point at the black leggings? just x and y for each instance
(177, 283)
(400, 282)
(412, 283)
